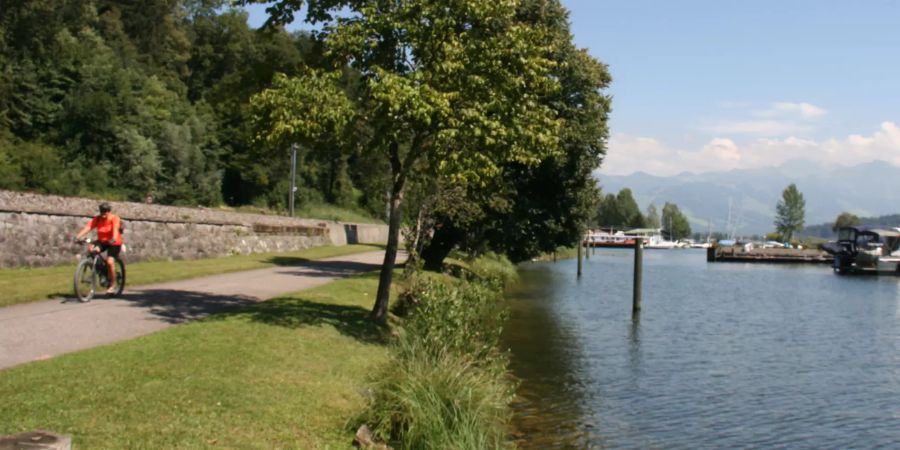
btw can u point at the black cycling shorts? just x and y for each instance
(111, 250)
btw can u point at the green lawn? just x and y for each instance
(286, 373)
(319, 211)
(27, 285)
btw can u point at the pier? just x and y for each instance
(737, 253)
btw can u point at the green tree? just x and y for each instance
(620, 211)
(652, 217)
(845, 219)
(790, 211)
(449, 88)
(674, 222)
(530, 209)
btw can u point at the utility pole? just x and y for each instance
(293, 178)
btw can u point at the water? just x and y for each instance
(723, 355)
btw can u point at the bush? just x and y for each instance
(462, 318)
(494, 269)
(447, 385)
(440, 402)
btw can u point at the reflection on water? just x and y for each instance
(722, 355)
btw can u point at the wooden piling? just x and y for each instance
(638, 274)
(579, 258)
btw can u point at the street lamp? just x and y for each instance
(293, 179)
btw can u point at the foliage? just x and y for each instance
(845, 219)
(674, 222)
(446, 386)
(494, 270)
(300, 109)
(824, 231)
(440, 403)
(790, 211)
(460, 318)
(449, 89)
(117, 99)
(652, 217)
(620, 211)
(533, 209)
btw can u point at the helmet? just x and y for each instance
(104, 207)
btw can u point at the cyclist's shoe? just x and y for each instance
(111, 290)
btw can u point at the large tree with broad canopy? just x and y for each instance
(450, 87)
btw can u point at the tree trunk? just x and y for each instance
(443, 241)
(379, 311)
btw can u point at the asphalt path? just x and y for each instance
(42, 330)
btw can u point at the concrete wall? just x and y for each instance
(38, 230)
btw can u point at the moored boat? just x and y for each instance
(609, 239)
(652, 238)
(861, 250)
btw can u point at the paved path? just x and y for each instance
(41, 330)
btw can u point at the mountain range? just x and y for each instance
(743, 201)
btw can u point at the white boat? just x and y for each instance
(601, 238)
(652, 238)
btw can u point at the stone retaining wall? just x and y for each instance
(37, 230)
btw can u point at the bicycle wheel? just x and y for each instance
(85, 280)
(120, 277)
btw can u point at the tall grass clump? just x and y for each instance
(493, 269)
(447, 385)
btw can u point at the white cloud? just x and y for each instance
(756, 127)
(805, 110)
(628, 154)
(777, 119)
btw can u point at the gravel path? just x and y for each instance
(42, 330)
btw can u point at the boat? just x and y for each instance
(866, 251)
(652, 238)
(608, 239)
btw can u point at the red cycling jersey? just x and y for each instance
(107, 228)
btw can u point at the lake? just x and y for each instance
(723, 355)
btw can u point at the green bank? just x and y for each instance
(300, 371)
(286, 373)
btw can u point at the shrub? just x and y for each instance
(494, 269)
(461, 318)
(440, 402)
(447, 386)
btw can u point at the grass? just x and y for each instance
(561, 254)
(286, 373)
(322, 211)
(443, 402)
(27, 285)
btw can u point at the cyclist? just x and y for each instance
(109, 237)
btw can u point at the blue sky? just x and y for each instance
(717, 85)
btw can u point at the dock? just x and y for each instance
(738, 253)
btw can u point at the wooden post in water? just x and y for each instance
(587, 249)
(579, 258)
(638, 269)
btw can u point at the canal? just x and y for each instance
(723, 355)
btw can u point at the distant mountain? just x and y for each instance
(867, 190)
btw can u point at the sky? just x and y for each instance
(702, 85)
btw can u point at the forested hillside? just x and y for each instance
(125, 99)
(477, 124)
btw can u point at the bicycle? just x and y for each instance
(92, 271)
